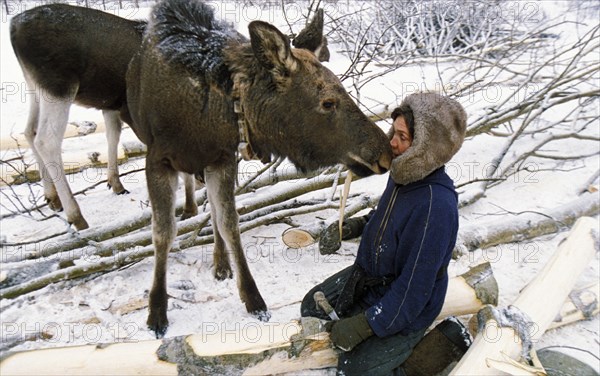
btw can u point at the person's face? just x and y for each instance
(401, 139)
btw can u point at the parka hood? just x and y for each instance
(440, 125)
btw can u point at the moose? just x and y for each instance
(71, 54)
(198, 91)
(68, 55)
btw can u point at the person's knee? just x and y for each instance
(308, 307)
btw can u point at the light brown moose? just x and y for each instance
(182, 88)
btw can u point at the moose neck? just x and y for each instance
(256, 140)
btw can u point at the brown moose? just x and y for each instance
(183, 88)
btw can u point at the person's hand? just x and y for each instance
(330, 241)
(346, 334)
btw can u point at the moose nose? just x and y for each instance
(385, 161)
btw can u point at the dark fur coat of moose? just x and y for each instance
(181, 90)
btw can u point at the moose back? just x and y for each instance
(183, 89)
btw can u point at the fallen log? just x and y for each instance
(92, 236)
(506, 335)
(19, 141)
(480, 234)
(19, 172)
(216, 351)
(299, 237)
(487, 233)
(469, 292)
(250, 349)
(105, 259)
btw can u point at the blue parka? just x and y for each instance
(410, 237)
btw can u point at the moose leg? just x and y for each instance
(222, 269)
(113, 133)
(190, 208)
(220, 185)
(31, 131)
(162, 184)
(53, 117)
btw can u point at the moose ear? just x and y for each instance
(271, 47)
(311, 37)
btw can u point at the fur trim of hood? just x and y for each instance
(440, 127)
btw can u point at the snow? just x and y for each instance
(79, 312)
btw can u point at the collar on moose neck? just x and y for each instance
(244, 147)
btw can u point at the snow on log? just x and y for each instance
(483, 234)
(506, 335)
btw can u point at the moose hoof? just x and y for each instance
(263, 316)
(158, 323)
(117, 188)
(258, 308)
(223, 272)
(187, 214)
(80, 223)
(54, 203)
(122, 192)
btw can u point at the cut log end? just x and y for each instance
(297, 238)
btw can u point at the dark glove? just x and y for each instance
(330, 238)
(346, 334)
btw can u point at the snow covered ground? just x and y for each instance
(79, 311)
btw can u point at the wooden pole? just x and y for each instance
(507, 334)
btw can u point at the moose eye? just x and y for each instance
(328, 104)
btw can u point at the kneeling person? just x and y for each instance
(397, 285)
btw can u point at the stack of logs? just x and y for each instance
(272, 348)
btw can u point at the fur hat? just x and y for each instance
(440, 126)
